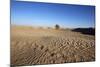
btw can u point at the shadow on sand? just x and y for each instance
(89, 31)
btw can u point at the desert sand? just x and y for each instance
(33, 46)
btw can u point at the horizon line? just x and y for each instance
(47, 26)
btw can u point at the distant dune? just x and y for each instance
(33, 46)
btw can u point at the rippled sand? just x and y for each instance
(31, 46)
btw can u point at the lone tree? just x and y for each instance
(57, 26)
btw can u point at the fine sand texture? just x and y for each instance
(35, 46)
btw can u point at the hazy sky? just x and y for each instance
(46, 14)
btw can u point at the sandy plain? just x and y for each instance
(33, 46)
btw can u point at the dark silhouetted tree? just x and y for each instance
(57, 26)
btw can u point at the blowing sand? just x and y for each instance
(31, 46)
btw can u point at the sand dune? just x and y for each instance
(31, 46)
